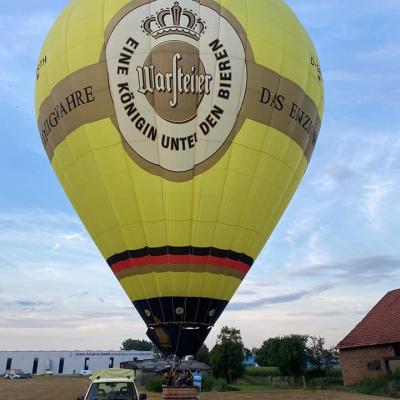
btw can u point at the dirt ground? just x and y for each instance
(68, 388)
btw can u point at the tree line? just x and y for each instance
(291, 354)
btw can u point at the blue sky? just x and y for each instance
(334, 254)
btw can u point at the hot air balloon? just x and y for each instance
(180, 131)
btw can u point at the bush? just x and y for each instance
(330, 374)
(264, 372)
(208, 383)
(153, 384)
(334, 372)
(314, 373)
(228, 388)
(385, 385)
(326, 382)
(323, 378)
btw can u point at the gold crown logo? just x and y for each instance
(174, 21)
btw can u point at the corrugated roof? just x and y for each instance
(380, 326)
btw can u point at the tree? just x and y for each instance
(203, 355)
(331, 355)
(291, 356)
(315, 351)
(138, 344)
(318, 356)
(266, 354)
(247, 353)
(226, 358)
(288, 353)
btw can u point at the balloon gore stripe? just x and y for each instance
(188, 256)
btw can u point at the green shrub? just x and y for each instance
(257, 380)
(314, 373)
(208, 383)
(323, 377)
(228, 388)
(153, 384)
(326, 382)
(262, 371)
(385, 385)
(334, 372)
(233, 389)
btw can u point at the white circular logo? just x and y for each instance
(178, 82)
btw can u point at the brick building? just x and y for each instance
(373, 347)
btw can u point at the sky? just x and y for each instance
(333, 255)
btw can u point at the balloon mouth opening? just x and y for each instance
(178, 340)
(179, 325)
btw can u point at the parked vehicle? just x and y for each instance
(113, 383)
(17, 374)
(48, 372)
(85, 372)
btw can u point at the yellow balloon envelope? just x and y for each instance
(180, 131)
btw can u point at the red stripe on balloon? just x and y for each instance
(180, 260)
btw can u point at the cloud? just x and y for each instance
(54, 289)
(374, 197)
(329, 314)
(355, 272)
(65, 238)
(359, 177)
(279, 299)
(31, 304)
(71, 320)
(387, 52)
(336, 174)
(36, 229)
(299, 226)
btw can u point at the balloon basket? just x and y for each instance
(182, 393)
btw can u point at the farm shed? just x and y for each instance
(372, 348)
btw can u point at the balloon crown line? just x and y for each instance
(174, 21)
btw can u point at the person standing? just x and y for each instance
(197, 377)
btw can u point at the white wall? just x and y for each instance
(74, 361)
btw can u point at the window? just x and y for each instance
(111, 363)
(61, 366)
(86, 367)
(374, 365)
(109, 390)
(8, 365)
(396, 349)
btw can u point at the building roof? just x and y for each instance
(380, 326)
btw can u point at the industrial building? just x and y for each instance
(67, 362)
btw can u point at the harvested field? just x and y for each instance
(68, 388)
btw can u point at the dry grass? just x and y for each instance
(68, 388)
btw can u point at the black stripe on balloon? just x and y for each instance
(179, 325)
(178, 251)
